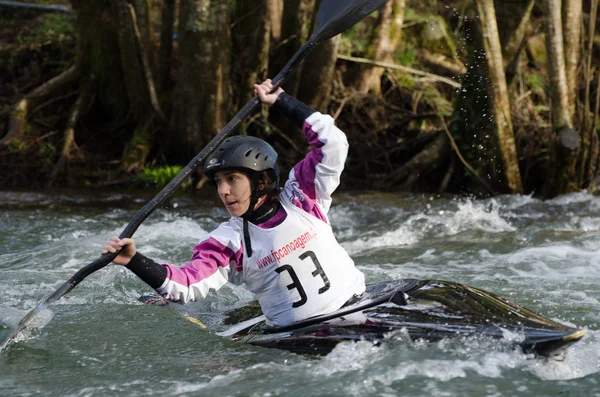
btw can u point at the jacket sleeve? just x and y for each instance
(315, 178)
(216, 259)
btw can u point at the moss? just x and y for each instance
(47, 153)
(49, 28)
(435, 100)
(404, 80)
(16, 146)
(159, 177)
(355, 40)
(137, 149)
(406, 56)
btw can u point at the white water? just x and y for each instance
(101, 341)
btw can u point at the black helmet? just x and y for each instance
(244, 152)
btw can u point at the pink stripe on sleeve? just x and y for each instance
(207, 257)
(306, 170)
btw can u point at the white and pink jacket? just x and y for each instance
(297, 268)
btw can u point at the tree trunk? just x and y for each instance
(499, 100)
(139, 82)
(572, 20)
(136, 83)
(166, 44)
(317, 75)
(295, 24)
(566, 145)
(275, 12)
(556, 65)
(99, 59)
(251, 36)
(142, 12)
(588, 126)
(201, 95)
(384, 43)
(69, 144)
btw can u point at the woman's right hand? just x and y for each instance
(263, 90)
(125, 247)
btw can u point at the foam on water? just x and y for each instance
(468, 216)
(581, 359)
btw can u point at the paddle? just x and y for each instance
(333, 17)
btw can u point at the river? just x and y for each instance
(98, 340)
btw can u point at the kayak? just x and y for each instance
(428, 310)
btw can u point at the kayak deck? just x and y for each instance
(428, 310)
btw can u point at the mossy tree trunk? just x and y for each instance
(201, 96)
(385, 41)
(499, 101)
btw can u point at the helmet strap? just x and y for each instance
(254, 196)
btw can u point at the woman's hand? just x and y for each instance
(263, 89)
(125, 248)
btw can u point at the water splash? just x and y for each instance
(468, 216)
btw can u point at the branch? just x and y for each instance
(18, 116)
(49, 8)
(467, 166)
(144, 57)
(406, 69)
(69, 142)
(441, 62)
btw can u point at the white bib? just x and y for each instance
(298, 269)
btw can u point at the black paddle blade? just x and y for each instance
(335, 16)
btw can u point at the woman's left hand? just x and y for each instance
(263, 91)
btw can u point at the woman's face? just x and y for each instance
(234, 190)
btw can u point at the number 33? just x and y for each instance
(296, 282)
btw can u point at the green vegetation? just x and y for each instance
(53, 27)
(355, 40)
(159, 177)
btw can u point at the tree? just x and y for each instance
(201, 96)
(316, 79)
(566, 144)
(317, 75)
(251, 38)
(295, 29)
(165, 57)
(384, 43)
(572, 20)
(499, 100)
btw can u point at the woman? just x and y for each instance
(278, 241)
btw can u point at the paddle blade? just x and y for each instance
(335, 16)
